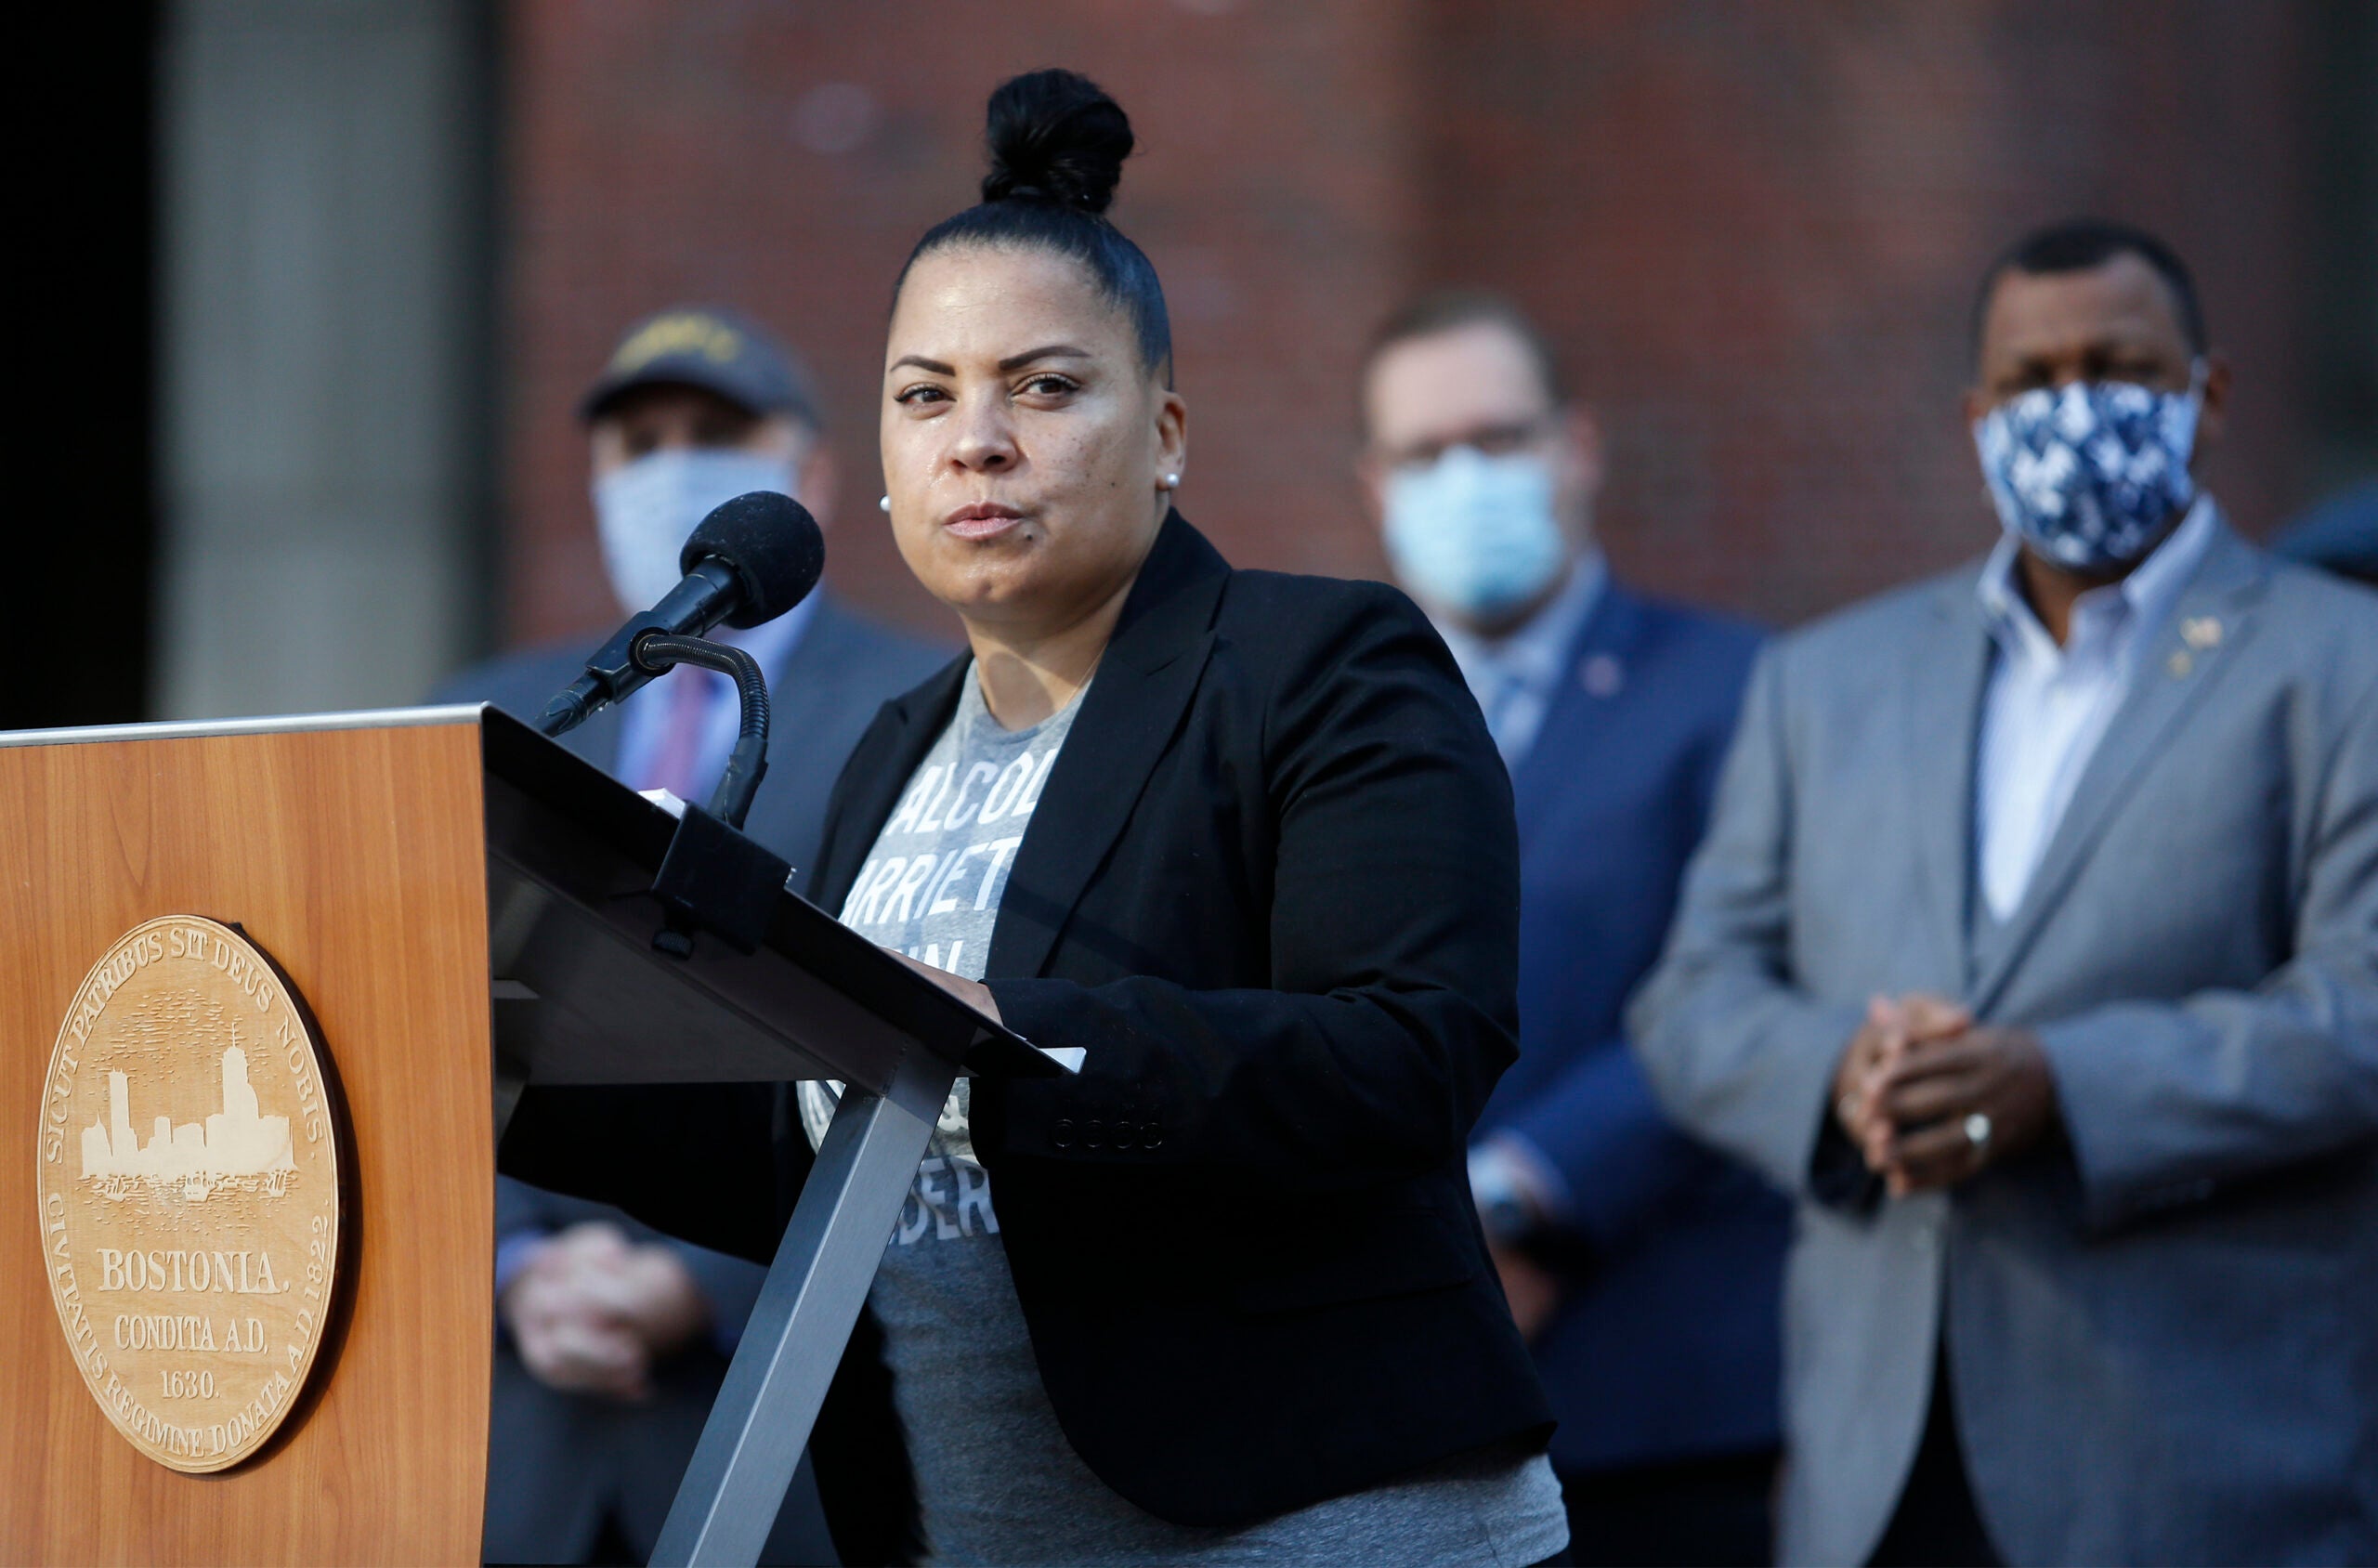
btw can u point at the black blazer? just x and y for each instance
(1271, 889)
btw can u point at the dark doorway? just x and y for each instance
(83, 493)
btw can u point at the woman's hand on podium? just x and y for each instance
(592, 1313)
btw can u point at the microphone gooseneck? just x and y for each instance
(712, 877)
(748, 764)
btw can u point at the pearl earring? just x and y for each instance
(1172, 481)
(885, 504)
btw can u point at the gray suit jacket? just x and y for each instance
(2162, 1328)
(559, 1462)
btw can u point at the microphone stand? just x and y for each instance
(656, 652)
(613, 673)
(713, 877)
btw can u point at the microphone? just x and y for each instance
(750, 560)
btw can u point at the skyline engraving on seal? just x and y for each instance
(193, 1266)
(234, 1145)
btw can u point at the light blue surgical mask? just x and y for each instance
(2089, 473)
(1476, 535)
(644, 511)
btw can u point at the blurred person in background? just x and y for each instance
(614, 1339)
(2034, 944)
(2340, 535)
(1643, 1267)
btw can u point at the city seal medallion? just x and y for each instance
(188, 1184)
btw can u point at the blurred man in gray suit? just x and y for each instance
(2034, 944)
(615, 1338)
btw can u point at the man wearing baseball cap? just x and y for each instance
(614, 1339)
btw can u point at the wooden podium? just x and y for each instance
(465, 908)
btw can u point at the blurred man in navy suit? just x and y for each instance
(614, 1337)
(1643, 1267)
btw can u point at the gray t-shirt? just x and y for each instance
(996, 1481)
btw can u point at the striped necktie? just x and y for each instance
(677, 763)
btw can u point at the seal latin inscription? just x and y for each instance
(189, 1192)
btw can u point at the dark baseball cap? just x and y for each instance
(719, 350)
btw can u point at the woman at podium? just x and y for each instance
(1242, 839)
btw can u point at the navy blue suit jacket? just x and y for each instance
(1665, 1344)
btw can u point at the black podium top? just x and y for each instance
(581, 997)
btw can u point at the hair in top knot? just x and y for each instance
(1057, 146)
(1055, 137)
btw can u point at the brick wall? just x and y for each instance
(1754, 227)
(1758, 230)
(785, 158)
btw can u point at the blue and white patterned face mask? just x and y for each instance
(2089, 473)
(1474, 534)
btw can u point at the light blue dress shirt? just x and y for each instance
(1515, 676)
(2046, 707)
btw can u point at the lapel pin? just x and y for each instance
(1601, 676)
(2201, 632)
(2180, 663)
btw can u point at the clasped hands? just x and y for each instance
(1929, 1098)
(592, 1312)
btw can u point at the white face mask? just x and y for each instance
(644, 511)
(1473, 534)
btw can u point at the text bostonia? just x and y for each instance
(172, 1269)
